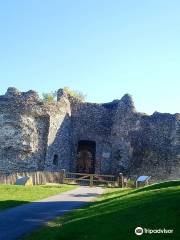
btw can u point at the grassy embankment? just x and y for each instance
(13, 195)
(116, 214)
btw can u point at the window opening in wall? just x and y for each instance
(55, 160)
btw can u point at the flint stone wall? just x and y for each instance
(36, 135)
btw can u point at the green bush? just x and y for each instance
(49, 97)
(75, 94)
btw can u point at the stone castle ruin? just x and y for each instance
(86, 137)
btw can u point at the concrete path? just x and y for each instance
(17, 221)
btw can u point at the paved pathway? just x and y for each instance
(17, 221)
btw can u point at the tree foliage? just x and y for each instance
(51, 96)
(74, 93)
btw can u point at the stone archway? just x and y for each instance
(86, 154)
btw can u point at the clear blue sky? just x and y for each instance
(104, 48)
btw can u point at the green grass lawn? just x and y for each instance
(13, 195)
(116, 214)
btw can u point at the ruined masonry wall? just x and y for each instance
(36, 135)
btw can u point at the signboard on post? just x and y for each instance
(142, 179)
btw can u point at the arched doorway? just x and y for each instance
(86, 154)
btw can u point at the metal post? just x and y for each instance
(91, 180)
(121, 180)
(62, 175)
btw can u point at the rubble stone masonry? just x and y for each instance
(39, 135)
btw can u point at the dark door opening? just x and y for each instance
(86, 155)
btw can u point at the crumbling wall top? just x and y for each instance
(13, 92)
(61, 94)
(126, 103)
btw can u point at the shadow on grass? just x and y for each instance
(4, 205)
(126, 192)
(123, 201)
(157, 186)
(17, 221)
(110, 198)
(110, 218)
(117, 217)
